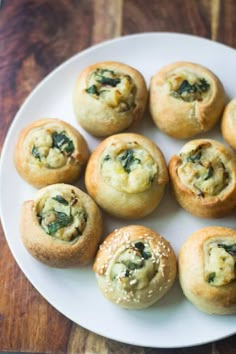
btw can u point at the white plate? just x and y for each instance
(172, 322)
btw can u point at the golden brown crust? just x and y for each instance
(37, 173)
(113, 195)
(208, 298)
(137, 293)
(49, 249)
(97, 117)
(198, 201)
(177, 117)
(228, 123)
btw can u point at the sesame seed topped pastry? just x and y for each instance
(126, 175)
(185, 99)
(207, 269)
(135, 267)
(61, 226)
(203, 177)
(50, 151)
(228, 124)
(109, 97)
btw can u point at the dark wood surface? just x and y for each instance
(35, 37)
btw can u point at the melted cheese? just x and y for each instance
(219, 265)
(132, 269)
(175, 82)
(130, 170)
(203, 172)
(120, 97)
(71, 210)
(41, 140)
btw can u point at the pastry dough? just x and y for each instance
(109, 97)
(50, 151)
(61, 226)
(126, 175)
(185, 99)
(135, 267)
(228, 125)
(203, 177)
(207, 269)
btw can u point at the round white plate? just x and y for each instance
(173, 321)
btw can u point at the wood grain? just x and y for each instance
(35, 37)
(215, 15)
(227, 23)
(188, 16)
(107, 20)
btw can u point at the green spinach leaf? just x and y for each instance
(92, 90)
(195, 156)
(62, 220)
(108, 81)
(127, 159)
(231, 249)
(60, 199)
(210, 173)
(62, 142)
(211, 277)
(191, 92)
(140, 246)
(35, 152)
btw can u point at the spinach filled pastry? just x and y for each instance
(185, 99)
(207, 270)
(61, 226)
(228, 123)
(50, 151)
(109, 97)
(135, 267)
(126, 175)
(203, 177)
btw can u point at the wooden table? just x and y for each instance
(35, 37)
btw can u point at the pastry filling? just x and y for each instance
(203, 171)
(50, 148)
(115, 89)
(129, 169)
(188, 87)
(133, 267)
(220, 262)
(62, 216)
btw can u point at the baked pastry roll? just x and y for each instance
(207, 270)
(228, 124)
(50, 151)
(109, 97)
(135, 267)
(61, 226)
(126, 175)
(203, 177)
(185, 99)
